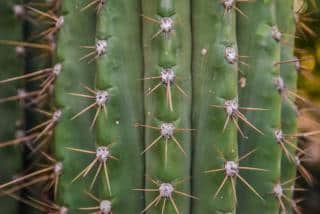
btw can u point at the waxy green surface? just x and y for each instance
(260, 92)
(168, 51)
(214, 82)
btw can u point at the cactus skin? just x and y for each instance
(264, 52)
(213, 81)
(119, 72)
(213, 31)
(67, 132)
(11, 112)
(288, 73)
(172, 51)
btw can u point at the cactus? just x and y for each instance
(12, 115)
(162, 106)
(214, 85)
(118, 72)
(166, 41)
(263, 53)
(113, 48)
(288, 74)
(66, 131)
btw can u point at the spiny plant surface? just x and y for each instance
(163, 106)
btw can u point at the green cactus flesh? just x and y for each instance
(67, 132)
(288, 73)
(263, 51)
(167, 103)
(11, 122)
(163, 106)
(118, 73)
(214, 85)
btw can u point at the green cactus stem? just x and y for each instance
(285, 19)
(263, 51)
(72, 133)
(167, 55)
(12, 122)
(163, 106)
(118, 73)
(215, 72)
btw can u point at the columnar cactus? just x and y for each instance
(215, 98)
(263, 52)
(11, 124)
(167, 55)
(288, 109)
(162, 106)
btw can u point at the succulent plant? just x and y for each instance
(162, 106)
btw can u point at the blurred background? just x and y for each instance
(308, 48)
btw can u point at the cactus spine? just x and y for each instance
(11, 112)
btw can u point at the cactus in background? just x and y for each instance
(162, 106)
(36, 60)
(12, 122)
